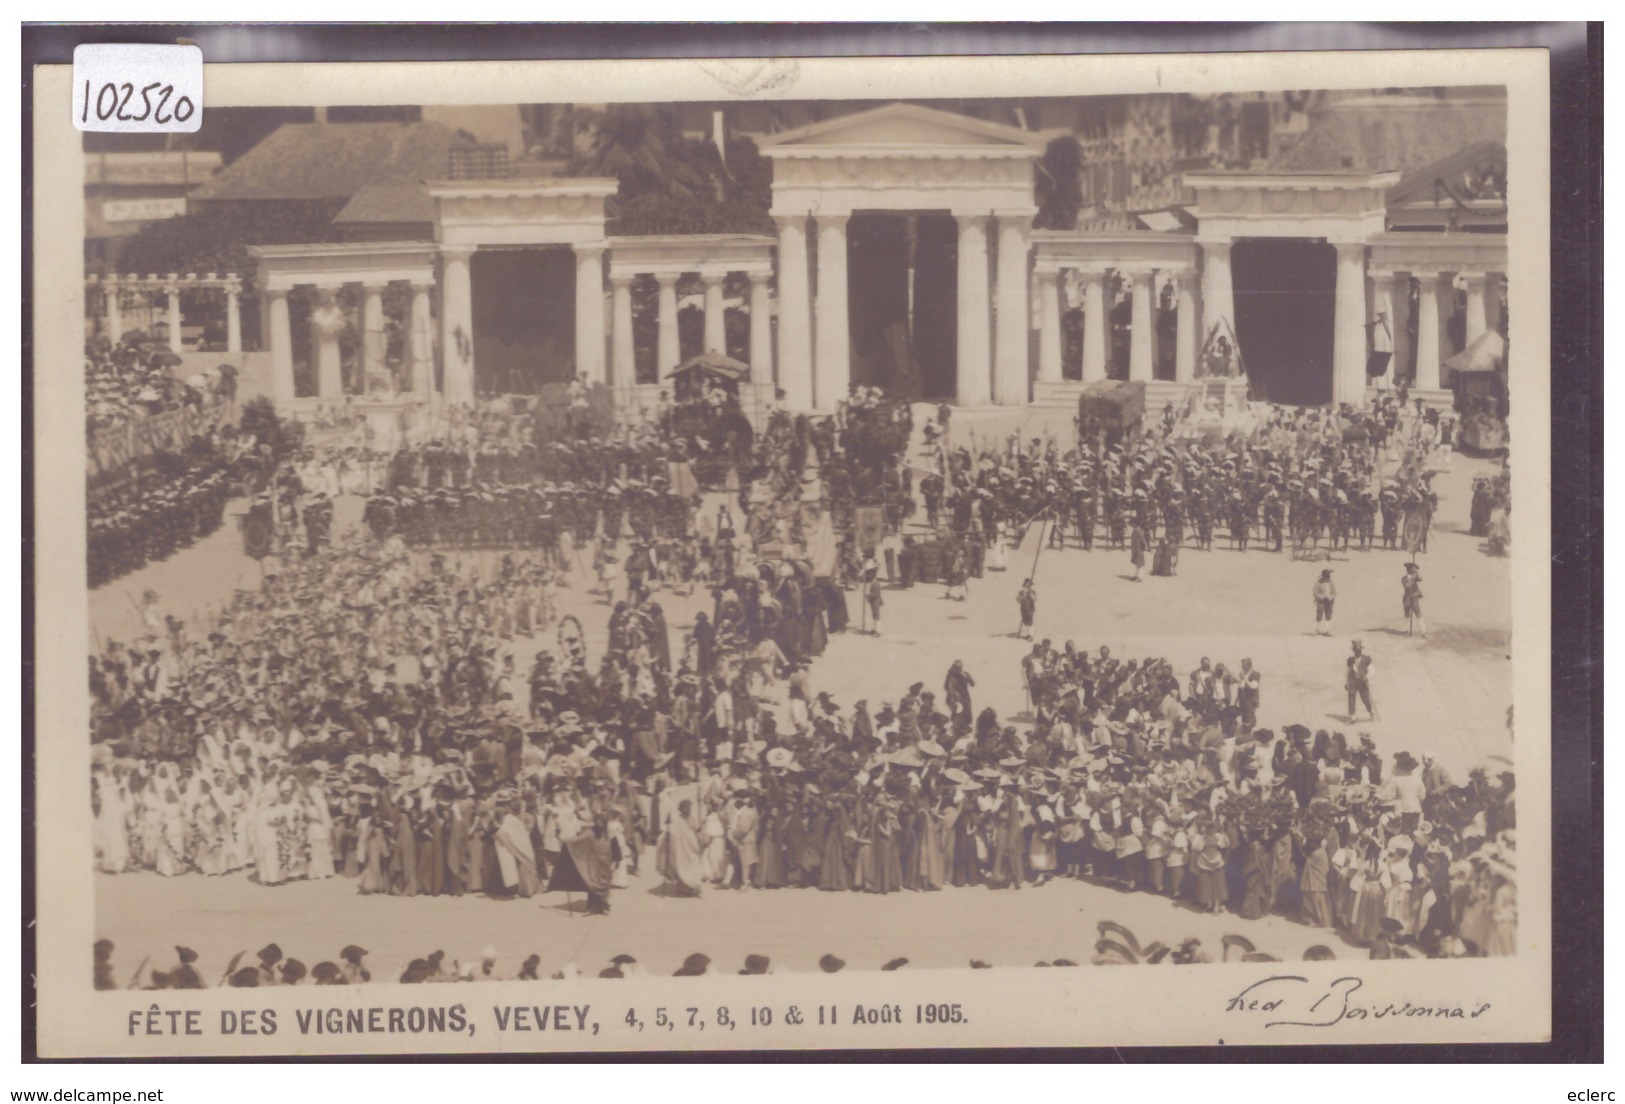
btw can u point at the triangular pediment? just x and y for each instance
(1477, 172)
(906, 126)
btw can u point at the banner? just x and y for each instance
(1415, 527)
(122, 445)
(869, 522)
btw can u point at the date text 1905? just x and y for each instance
(789, 1016)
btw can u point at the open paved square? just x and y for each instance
(1445, 697)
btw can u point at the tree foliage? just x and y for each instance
(1058, 182)
(260, 422)
(216, 237)
(670, 183)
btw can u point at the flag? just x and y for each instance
(1415, 526)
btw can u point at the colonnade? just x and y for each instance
(993, 319)
(1145, 286)
(668, 346)
(1367, 294)
(324, 339)
(996, 271)
(171, 285)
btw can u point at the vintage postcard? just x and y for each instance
(796, 554)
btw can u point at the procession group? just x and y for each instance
(129, 381)
(152, 510)
(363, 715)
(271, 966)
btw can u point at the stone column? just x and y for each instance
(1348, 330)
(1011, 386)
(974, 382)
(795, 313)
(457, 326)
(1428, 328)
(1444, 293)
(1218, 295)
(420, 365)
(1477, 321)
(625, 368)
(668, 349)
(325, 340)
(1185, 330)
(234, 317)
(1399, 322)
(1096, 326)
(832, 349)
(280, 339)
(1384, 331)
(590, 312)
(716, 314)
(1049, 327)
(173, 300)
(761, 330)
(1142, 334)
(374, 341)
(114, 317)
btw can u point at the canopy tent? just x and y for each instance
(1113, 404)
(715, 364)
(696, 375)
(1485, 353)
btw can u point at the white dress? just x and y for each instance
(319, 831)
(714, 856)
(112, 836)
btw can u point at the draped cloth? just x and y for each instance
(680, 475)
(516, 858)
(583, 867)
(679, 859)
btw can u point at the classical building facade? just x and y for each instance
(906, 257)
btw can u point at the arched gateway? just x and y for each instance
(906, 257)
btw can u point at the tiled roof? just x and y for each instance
(334, 161)
(1376, 133)
(393, 203)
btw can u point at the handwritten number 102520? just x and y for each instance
(113, 101)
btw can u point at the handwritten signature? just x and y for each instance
(1292, 1001)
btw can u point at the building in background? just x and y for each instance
(126, 190)
(912, 246)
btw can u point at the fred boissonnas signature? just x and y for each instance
(1286, 1000)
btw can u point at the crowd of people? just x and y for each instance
(363, 715)
(1115, 945)
(1304, 480)
(311, 736)
(129, 381)
(165, 503)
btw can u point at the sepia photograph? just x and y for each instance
(708, 525)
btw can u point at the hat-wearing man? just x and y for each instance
(1027, 602)
(1357, 680)
(269, 956)
(1325, 595)
(353, 972)
(1410, 587)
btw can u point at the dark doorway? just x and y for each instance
(1286, 305)
(936, 304)
(524, 319)
(877, 265)
(904, 339)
